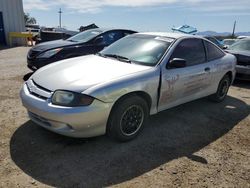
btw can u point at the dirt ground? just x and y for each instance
(198, 144)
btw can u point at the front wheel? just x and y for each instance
(127, 118)
(222, 90)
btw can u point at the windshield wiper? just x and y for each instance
(71, 40)
(100, 54)
(118, 57)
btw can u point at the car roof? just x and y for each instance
(166, 34)
(171, 35)
(240, 40)
(243, 37)
(103, 30)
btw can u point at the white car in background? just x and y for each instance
(241, 50)
(229, 42)
(243, 37)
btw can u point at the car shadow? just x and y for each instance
(98, 162)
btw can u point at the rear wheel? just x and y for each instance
(222, 90)
(128, 118)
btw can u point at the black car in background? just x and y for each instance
(241, 50)
(87, 42)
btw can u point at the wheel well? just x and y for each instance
(141, 94)
(230, 74)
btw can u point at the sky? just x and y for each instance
(143, 15)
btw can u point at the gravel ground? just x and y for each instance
(198, 144)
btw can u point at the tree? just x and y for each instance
(28, 19)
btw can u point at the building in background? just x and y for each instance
(11, 20)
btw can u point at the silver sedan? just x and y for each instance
(116, 90)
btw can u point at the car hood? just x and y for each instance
(52, 44)
(80, 73)
(238, 52)
(243, 57)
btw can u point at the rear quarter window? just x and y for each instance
(213, 52)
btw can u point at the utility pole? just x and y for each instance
(234, 29)
(60, 18)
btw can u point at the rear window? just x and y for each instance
(85, 35)
(213, 52)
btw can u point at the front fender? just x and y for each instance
(110, 92)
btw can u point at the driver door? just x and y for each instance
(180, 85)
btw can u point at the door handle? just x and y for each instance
(207, 69)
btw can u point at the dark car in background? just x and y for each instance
(84, 43)
(241, 50)
(215, 41)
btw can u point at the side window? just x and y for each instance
(213, 40)
(192, 50)
(213, 52)
(110, 37)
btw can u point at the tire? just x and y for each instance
(127, 118)
(222, 90)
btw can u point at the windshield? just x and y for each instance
(243, 45)
(85, 35)
(139, 49)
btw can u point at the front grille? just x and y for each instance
(40, 87)
(243, 59)
(39, 96)
(33, 53)
(37, 90)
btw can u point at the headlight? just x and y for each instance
(71, 99)
(49, 53)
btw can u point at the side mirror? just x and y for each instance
(177, 63)
(225, 47)
(98, 40)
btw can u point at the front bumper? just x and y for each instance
(81, 122)
(243, 72)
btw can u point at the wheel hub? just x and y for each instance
(132, 120)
